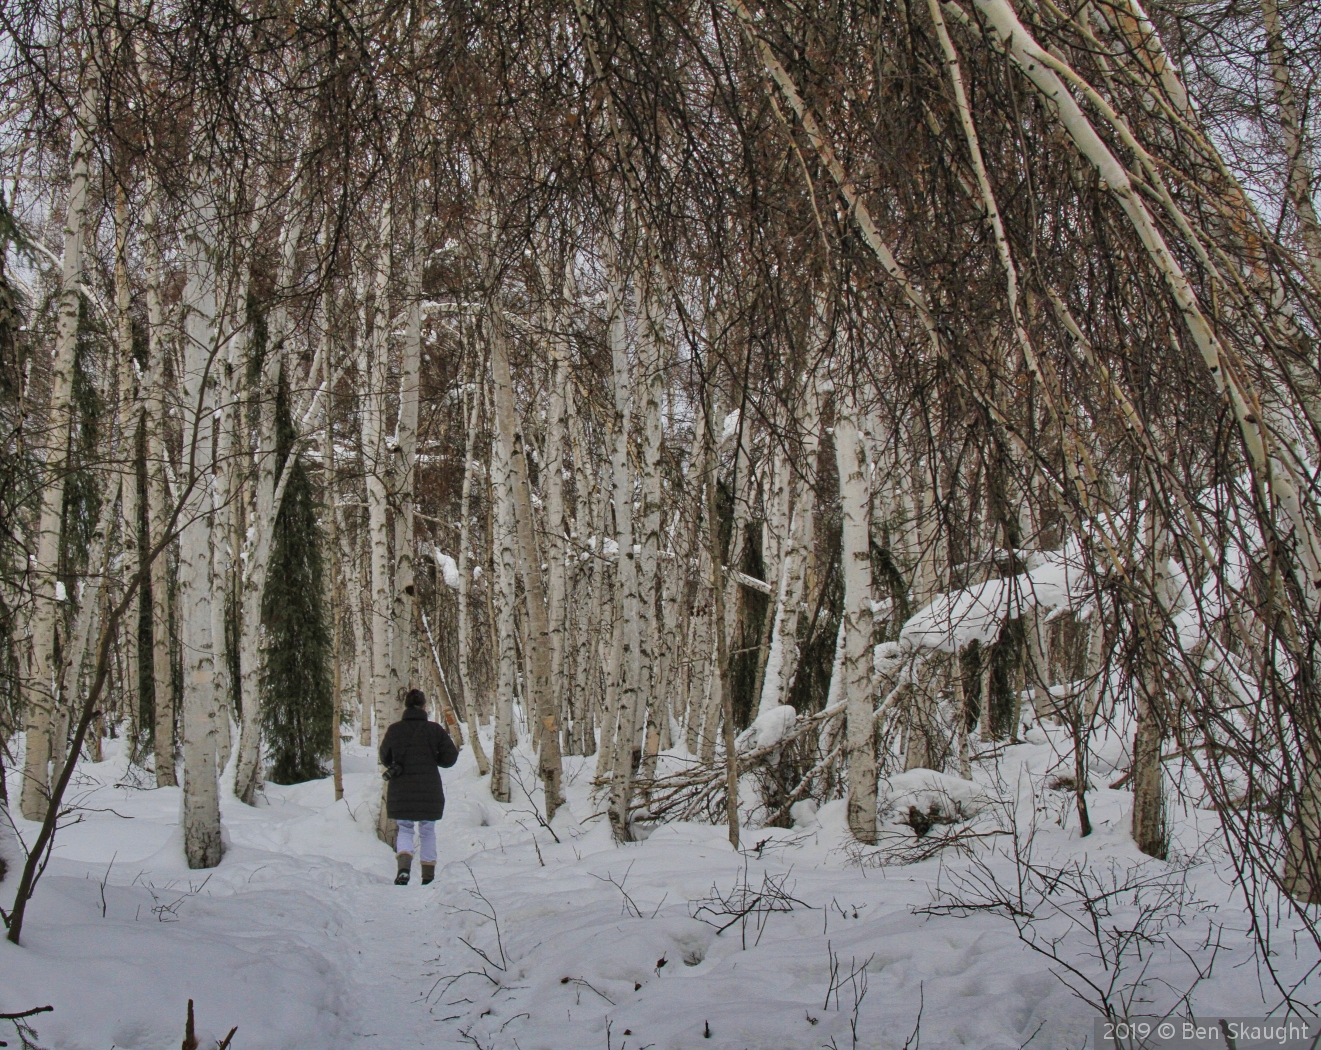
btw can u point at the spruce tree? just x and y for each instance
(297, 707)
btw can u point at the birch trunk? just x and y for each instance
(361, 633)
(158, 502)
(697, 673)
(376, 460)
(857, 620)
(539, 700)
(336, 594)
(465, 585)
(405, 604)
(652, 393)
(626, 752)
(373, 367)
(247, 773)
(91, 612)
(591, 574)
(557, 551)
(778, 556)
(41, 691)
(129, 421)
(802, 541)
(1298, 166)
(201, 796)
(720, 679)
(223, 506)
(1149, 826)
(506, 569)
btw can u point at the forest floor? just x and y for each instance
(523, 943)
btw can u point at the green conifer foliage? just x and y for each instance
(297, 707)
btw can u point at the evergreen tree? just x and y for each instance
(297, 705)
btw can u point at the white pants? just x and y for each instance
(426, 834)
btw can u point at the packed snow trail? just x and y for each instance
(300, 939)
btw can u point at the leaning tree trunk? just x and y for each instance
(41, 691)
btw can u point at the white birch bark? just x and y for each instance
(556, 543)
(782, 662)
(465, 582)
(201, 796)
(627, 674)
(361, 672)
(538, 696)
(506, 569)
(404, 448)
(652, 356)
(224, 487)
(721, 675)
(129, 418)
(857, 624)
(590, 575)
(248, 773)
(610, 657)
(1298, 164)
(91, 609)
(697, 668)
(158, 502)
(336, 587)
(41, 692)
(802, 539)
(372, 366)
(778, 559)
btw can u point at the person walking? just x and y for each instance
(412, 749)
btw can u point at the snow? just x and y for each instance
(955, 620)
(301, 940)
(951, 798)
(768, 729)
(449, 568)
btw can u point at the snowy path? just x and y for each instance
(301, 940)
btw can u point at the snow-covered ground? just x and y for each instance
(300, 939)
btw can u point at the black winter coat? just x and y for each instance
(420, 746)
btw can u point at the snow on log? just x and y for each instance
(975, 614)
(938, 797)
(769, 728)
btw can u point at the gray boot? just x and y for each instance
(405, 866)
